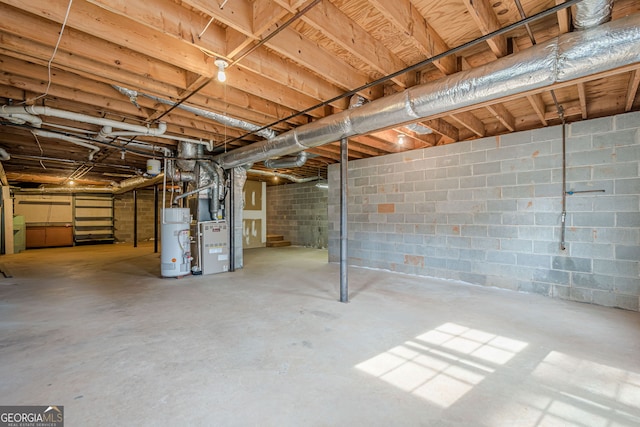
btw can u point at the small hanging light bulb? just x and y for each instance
(122, 153)
(221, 64)
(401, 139)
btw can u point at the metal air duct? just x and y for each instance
(567, 57)
(226, 120)
(591, 13)
(287, 162)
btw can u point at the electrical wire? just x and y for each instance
(40, 147)
(53, 55)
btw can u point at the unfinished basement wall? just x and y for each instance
(123, 216)
(488, 212)
(299, 213)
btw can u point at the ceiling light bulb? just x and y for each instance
(72, 182)
(401, 139)
(221, 64)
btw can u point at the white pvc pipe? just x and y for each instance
(72, 139)
(4, 155)
(21, 118)
(54, 112)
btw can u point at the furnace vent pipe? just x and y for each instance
(565, 58)
(591, 13)
(291, 178)
(225, 120)
(287, 162)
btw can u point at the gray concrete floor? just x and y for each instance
(96, 330)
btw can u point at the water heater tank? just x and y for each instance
(153, 167)
(175, 256)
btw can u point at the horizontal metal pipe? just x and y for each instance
(291, 178)
(220, 118)
(287, 162)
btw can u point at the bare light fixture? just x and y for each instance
(221, 64)
(401, 138)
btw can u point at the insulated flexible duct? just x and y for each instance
(567, 57)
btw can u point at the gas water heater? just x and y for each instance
(175, 257)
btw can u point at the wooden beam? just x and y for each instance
(406, 18)
(445, 129)
(538, 106)
(471, 122)
(583, 100)
(335, 25)
(292, 45)
(564, 18)
(116, 29)
(487, 21)
(88, 51)
(303, 51)
(503, 115)
(632, 89)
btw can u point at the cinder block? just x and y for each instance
(536, 232)
(617, 170)
(517, 165)
(605, 298)
(594, 219)
(414, 176)
(459, 171)
(552, 276)
(483, 144)
(502, 179)
(631, 253)
(593, 126)
(503, 231)
(618, 139)
(459, 218)
(548, 218)
(546, 247)
(581, 295)
(628, 219)
(473, 230)
(627, 286)
(628, 302)
(501, 257)
(450, 160)
(572, 264)
(627, 186)
(547, 134)
(517, 218)
(486, 168)
(473, 157)
(517, 138)
(627, 120)
(448, 184)
(548, 162)
(535, 288)
(516, 245)
(460, 195)
(591, 157)
(592, 250)
(502, 205)
(592, 281)
(473, 181)
(532, 260)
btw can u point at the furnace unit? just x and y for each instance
(214, 246)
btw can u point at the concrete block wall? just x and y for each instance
(299, 213)
(123, 216)
(488, 212)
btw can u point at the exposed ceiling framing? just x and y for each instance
(279, 67)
